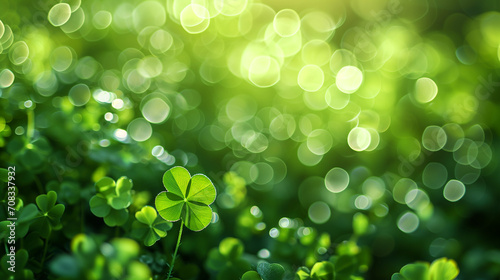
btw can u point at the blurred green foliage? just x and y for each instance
(344, 139)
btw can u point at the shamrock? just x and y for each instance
(442, 269)
(149, 227)
(265, 271)
(270, 271)
(187, 198)
(49, 217)
(324, 270)
(21, 272)
(111, 200)
(227, 260)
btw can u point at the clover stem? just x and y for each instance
(175, 251)
(31, 125)
(45, 248)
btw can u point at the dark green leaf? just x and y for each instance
(269, 271)
(116, 217)
(99, 206)
(251, 275)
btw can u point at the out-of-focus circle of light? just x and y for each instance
(148, 13)
(140, 130)
(319, 212)
(195, 18)
(434, 138)
(286, 22)
(156, 110)
(335, 98)
(401, 189)
(79, 95)
(336, 180)
(150, 67)
(230, 7)
(408, 222)
(454, 137)
(6, 78)
(349, 79)
(102, 19)
(454, 190)
(264, 71)
(264, 254)
(434, 175)
(359, 139)
(61, 58)
(59, 14)
(425, 90)
(311, 78)
(19, 52)
(319, 141)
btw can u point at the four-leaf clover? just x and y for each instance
(187, 198)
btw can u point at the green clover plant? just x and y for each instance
(111, 200)
(187, 199)
(265, 271)
(149, 226)
(440, 269)
(49, 217)
(324, 270)
(21, 272)
(93, 259)
(226, 260)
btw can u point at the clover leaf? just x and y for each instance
(444, 269)
(149, 226)
(111, 200)
(21, 272)
(440, 269)
(187, 198)
(227, 260)
(324, 270)
(270, 271)
(118, 195)
(251, 275)
(49, 217)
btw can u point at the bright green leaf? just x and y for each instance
(176, 180)
(120, 202)
(147, 215)
(105, 186)
(323, 271)
(231, 247)
(149, 227)
(99, 206)
(303, 273)
(123, 185)
(186, 197)
(360, 224)
(415, 271)
(444, 269)
(197, 216)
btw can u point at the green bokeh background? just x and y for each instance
(302, 113)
